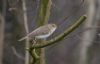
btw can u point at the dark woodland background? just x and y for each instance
(68, 51)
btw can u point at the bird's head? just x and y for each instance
(53, 26)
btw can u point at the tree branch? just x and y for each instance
(2, 26)
(27, 30)
(63, 35)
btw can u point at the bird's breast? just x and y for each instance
(43, 36)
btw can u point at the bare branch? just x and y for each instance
(61, 36)
(88, 35)
(2, 24)
(2, 27)
(17, 54)
(27, 30)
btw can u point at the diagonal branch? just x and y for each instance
(63, 35)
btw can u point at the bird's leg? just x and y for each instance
(34, 50)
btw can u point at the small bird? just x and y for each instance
(42, 32)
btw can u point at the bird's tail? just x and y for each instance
(23, 38)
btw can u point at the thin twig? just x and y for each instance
(27, 30)
(17, 54)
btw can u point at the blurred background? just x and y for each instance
(80, 47)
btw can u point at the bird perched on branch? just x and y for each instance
(42, 32)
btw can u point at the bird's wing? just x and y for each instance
(40, 31)
(43, 30)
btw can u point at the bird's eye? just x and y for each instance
(54, 25)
